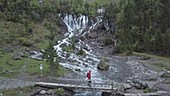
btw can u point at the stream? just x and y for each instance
(120, 70)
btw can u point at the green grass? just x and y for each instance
(103, 2)
(7, 64)
(162, 62)
(31, 67)
(164, 59)
(25, 91)
(38, 40)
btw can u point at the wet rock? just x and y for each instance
(110, 94)
(106, 94)
(103, 66)
(165, 75)
(65, 94)
(63, 26)
(77, 70)
(18, 56)
(49, 92)
(139, 85)
(144, 58)
(85, 47)
(85, 65)
(81, 52)
(42, 92)
(71, 60)
(35, 55)
(77, 39)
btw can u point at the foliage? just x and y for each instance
(68, 49)
(51, 56)
(141, 25)
(81, 52)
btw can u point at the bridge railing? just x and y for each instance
(95, 84)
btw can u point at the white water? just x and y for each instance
(120, 70)
(75, 25)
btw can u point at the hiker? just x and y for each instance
(89, 78)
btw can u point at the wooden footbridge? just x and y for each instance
(95, 85)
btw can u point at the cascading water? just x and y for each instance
(75, 27)
(119, 70)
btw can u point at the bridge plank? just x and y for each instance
(86, 87)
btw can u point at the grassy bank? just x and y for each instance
(159, 62)
(11, 68)
(27, 91)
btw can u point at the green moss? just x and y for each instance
(68, 49)
(81, 52)
(59, 91)
(147, 90)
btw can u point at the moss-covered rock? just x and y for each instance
(165, 75)
(103, 65)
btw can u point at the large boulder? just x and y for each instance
(144, 58)
(103, 65)
(166, 75)
(139, 84)
(18, 56)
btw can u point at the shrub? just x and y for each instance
(81, 52)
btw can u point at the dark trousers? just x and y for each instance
(89, 83)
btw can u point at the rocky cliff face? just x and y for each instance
(101, 39)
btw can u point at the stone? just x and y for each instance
(49, 92)
(165, 75)
(77, 70)
(139, 85)
(42, 92)
(71, 60)
(103, 66)
(110, 94)
(106, 94)
(144, 58)
(18, 56)
(85, 65)
(8, 49)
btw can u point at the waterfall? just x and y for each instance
(120, 69)
(74, 22)
(75, 25)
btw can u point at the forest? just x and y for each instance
(140, 25)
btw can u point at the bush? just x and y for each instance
(107, 40)
(81, 52)
(68, 49)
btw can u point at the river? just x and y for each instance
(120, 70)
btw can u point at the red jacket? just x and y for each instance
(89, 75)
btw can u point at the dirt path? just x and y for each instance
(14, 83)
